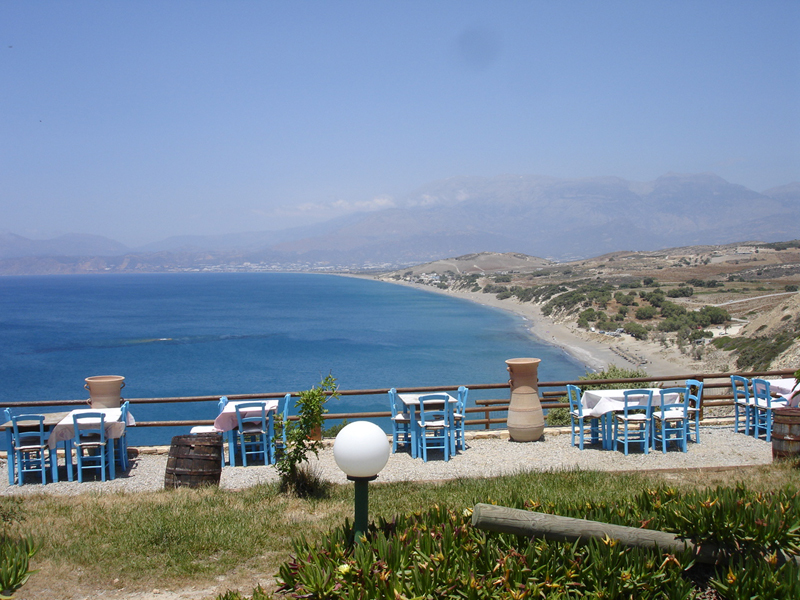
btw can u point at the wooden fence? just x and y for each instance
(486, 412)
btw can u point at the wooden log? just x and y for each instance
(530, 524)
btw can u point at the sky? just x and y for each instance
(147, 119)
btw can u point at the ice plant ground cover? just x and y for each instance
(438, 554)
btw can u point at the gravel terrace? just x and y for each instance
(487, 454)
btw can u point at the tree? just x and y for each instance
(645, 312)
(303, 438)
(636, 330)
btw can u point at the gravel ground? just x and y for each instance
(484, 456)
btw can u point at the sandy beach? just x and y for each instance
(594, 350)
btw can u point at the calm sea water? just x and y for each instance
(218, 334)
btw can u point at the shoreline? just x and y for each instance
(594, 350)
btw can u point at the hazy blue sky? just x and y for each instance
(139, 120)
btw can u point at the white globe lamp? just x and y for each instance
(361, 450)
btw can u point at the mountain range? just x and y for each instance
(558, 219)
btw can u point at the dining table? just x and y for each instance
(602, 404)
(788, 389)
(411, 405)
(227, 421)
(64, 430)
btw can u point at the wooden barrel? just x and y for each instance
(785, 433)
(194, 461)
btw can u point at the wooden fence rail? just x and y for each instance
(551, 393)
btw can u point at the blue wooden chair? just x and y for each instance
(401, 424)
(695, 407)
(669, 421)
(460, 419)
(31, 454)
(763, 405)
(122, 442)
(634, 420)
(577, 420)
(255, 432)
(741, 402)
(92, 449)
(435, 424)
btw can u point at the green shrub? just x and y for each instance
(636, 330)
(614, 372)
(645, 312)
(558, 417)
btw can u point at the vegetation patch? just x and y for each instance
(438, 554)
(756, 353)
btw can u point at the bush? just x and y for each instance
(636, 330)
(558, 417)
(645, 312)
(615, 372)
(680, 292)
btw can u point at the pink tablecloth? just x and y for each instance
(226, 420)
(65, 430)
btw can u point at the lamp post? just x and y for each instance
(361, 450)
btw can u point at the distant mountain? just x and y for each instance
(561, 219)
(71, 244)
(557, 219)
(243, 242)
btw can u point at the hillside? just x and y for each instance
(702, 307)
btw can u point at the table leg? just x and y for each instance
(595, 429)
(608, 427)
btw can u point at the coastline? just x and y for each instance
(594, 350)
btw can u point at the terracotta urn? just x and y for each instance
(525, 416)
(105, 390)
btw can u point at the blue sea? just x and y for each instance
(197, 334)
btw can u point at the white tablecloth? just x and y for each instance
(412, 400)
(596, 403)
(65, 430)
(784, 388)
(227, 421)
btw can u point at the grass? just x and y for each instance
(194, 537)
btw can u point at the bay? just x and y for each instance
(193, 334)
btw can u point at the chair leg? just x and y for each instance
(626, 438)
(112, 463)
